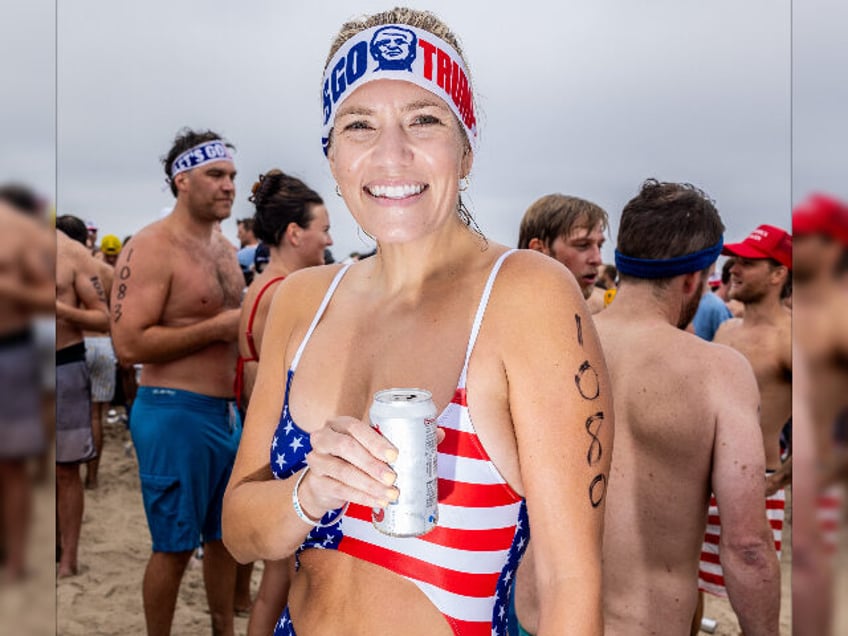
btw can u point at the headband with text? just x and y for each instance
(399, 52)
(207, 152)
(668, 267)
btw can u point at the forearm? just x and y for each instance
(752, 578)
(780, 478)
(90, 319)
(252, 531)
(572, 606)
(159, 344)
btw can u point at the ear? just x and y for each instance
(537, 245)
(293, 233)
(693, 282)
(181, 181)
(467, 161)
(779, 274)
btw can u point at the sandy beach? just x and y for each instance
(105, 598)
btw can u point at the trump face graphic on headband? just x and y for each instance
(394, 48)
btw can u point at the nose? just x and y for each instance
(392, 147)
(595, 255)
(329, 240)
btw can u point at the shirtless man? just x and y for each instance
(175, 308)
(686, 424)
(26, 290)
(80, 304)
(820, 227)
(570, 230)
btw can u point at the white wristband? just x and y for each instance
(298, 509)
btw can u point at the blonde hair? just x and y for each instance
(399, 15)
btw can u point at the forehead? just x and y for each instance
(595, 233)
(319, 213)
(387, 92)
(227, 167)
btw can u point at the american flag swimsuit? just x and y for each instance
(465, 565)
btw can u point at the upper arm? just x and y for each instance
(561, 405)
(88, 284)
(738, 476)
(140, 288)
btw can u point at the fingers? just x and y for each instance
(349, 463)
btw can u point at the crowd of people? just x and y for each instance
(615, 438)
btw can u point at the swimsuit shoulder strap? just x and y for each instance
(481, 310)
(318, 314)
(254, 355)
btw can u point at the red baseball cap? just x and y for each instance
(821, 214)
(767, 241)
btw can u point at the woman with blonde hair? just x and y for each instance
(501, 338)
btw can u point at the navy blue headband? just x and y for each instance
(668, 267)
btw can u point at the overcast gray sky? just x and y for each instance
(582, 97)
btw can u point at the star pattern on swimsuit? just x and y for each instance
(297, 443)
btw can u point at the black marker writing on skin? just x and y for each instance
(597, 490)
(587, 381)
(595, 448)
(98, 287)
(579, 329)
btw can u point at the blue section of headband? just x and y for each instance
(668, 267)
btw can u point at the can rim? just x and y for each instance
(394, 396)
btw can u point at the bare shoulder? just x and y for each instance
(727, 369)
(727, 327)
(303, 290)
(149, 242)
(529, 279)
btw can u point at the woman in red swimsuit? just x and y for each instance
(501, 338)
(292, 221)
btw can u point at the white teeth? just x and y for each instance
(395, 191)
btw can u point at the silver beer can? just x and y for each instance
(407, 418)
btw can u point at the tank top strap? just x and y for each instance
(481, 311)
(318, 314)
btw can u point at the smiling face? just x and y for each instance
(398, 153)
(752, 279)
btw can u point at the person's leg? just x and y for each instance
(16, 501)
(97, 409)
(160, 587)
(219, 576)
(241, 600)
(69, 508)
(271, 598)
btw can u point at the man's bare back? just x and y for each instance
(674, 402)
(168, 278)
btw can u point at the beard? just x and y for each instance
(746, 295)
(689, 310)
